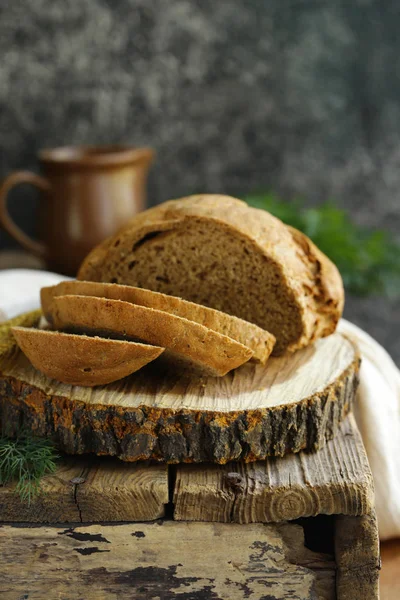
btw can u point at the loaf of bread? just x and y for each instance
(82, 360)
(192, 345)
(216, 251)
(259, 341)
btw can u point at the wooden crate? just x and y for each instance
(300, 527)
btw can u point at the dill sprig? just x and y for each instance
(26, 459)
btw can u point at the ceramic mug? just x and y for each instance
(89, 192)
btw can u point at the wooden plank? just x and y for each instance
(334, 480)
(294, 402)
(201, 561)
(56, 503)
(117, 491)
(357, 557)
(92, 490)
(337, 479)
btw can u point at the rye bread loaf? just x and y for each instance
(82, 360)
(259, 341)
(217, 251)
(187, 342)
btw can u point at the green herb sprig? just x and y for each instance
(26, 459)
(368, 260)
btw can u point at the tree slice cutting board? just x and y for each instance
(292, 403)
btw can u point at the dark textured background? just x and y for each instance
(298, 96)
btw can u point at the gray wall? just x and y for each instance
(299, 96)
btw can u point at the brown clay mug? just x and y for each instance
(89, 193)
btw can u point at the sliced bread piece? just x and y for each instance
(259, 341)
(218, 251)
(82, 360)
(203, 349)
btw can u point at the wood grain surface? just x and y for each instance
(337, 479)
(334, 480)
(292, 403)
(193, 561)
(284, 381)
(90, 489)
(357, 557)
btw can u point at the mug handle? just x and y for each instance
(37, 248)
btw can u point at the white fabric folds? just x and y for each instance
(378, 418)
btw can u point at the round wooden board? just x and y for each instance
(292, 403)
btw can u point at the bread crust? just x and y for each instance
(308, 276)
(82, 360)
(327, 300)
(261, 342)
(207, 350)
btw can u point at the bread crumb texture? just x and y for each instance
(216, 251)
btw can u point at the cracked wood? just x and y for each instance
(196, 561)
(292, 403)
(89, 490)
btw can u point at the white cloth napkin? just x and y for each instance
(377, 411)
(20, 290)
(377, 414)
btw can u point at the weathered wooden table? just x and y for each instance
(300, 527)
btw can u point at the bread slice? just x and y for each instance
(82, 360)
(259, 341)
(217, 251)
(203, 349)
